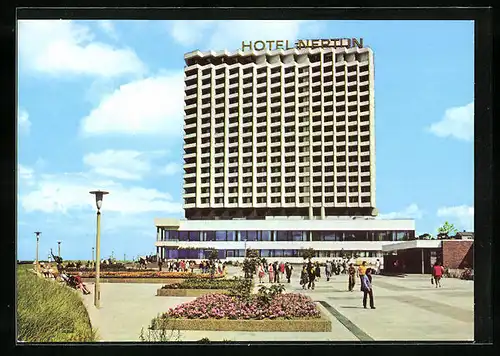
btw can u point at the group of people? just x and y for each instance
(57, 273)
(276, 271)
(185, 266)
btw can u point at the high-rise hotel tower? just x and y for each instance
(279, 133)
(279, 156)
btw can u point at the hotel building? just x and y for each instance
(279, 155)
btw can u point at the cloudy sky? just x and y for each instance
(100, 107)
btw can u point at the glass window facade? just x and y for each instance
(265, 235)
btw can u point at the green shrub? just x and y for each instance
(197, 283)
(50, 312)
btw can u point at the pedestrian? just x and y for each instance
(276, 272)
(288, 270)
(366, 287)
(328, 270)
(362, 271)
(317, 270)
(160, 264)
(437, 273)
(352, 277)
(282, 269)
(311, 275)
(303, 277)
(377, 266)
(271, 273)
(260, 272)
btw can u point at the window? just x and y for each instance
(231, 236)
(282, 236)
(265, 235)
(220, 236)
(251, 235)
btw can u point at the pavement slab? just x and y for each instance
(409, 309)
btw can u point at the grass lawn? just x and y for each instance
(49, 312)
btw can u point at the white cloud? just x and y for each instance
(458, 122)
(23, 121)
(190, 32)
(125, 164)
(410, 212)
(67, 47)
(219, 35)
(25, 173)
(462, 216)
(108, 27)
(63, 193)
(149, 106)
(171, 169)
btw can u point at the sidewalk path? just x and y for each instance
(407, 309)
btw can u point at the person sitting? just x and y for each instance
(80, 285)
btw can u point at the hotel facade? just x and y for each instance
(279, 156)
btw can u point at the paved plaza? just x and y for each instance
(408, 308)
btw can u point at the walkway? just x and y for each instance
(407, 309)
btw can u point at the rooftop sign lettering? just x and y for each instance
(271, 45)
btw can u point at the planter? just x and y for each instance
(322, 324)
(147, 274)
(162, 292)
(135, 280)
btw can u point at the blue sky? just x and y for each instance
(100, 107)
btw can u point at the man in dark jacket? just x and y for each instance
(288, 270)
(311, 272)
(276, 272)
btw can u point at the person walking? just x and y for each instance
(260, 272)
(352, 277)
(328, 270)
(288, 270)
(303, 277)
(367, 288)
(311, 275)
(276, 272)
(270, 269)
(377, 266)
(437, 273)
(362, 271)
(317, 270)
(160, 264)
(282, 270)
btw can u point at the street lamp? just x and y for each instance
(98, 202)
(59, 248)
(37, 233)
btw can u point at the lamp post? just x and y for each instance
(99, 195)
(37, 233)
(59, 249)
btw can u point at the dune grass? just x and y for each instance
(49, 312)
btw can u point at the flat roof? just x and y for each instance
(406, 245)
(287, 225)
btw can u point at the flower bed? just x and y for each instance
(147, 274)
(286, 312)
(197, 287)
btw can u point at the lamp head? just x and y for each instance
(99, 195)
(37, 233)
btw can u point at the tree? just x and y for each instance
(213, 254)
(425, 236)
(250, 262)
(308, 253)
(446, 230)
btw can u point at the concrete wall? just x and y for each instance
(458, 254)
